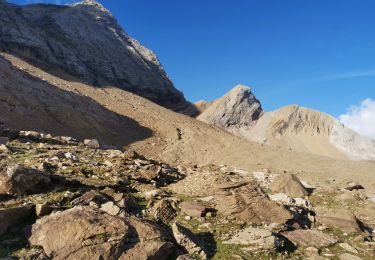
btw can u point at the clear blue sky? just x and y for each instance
(318, 53)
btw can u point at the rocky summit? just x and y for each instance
(78, 41)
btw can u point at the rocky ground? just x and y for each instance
(61, 198)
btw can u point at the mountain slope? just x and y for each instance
(293, 127)
(84, 40)
(153, 131)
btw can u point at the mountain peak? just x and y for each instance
(92, 4)
(238, 107)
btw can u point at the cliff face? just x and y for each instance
(85, 41)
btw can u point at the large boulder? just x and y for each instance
(310, 238)
(14, 216)
(338, 218)
(249, 203)
(290, 185)
(20, 180)
(88, 233)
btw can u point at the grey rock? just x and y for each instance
(80, 40)
(255, 239)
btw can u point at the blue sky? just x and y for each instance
(319, 54)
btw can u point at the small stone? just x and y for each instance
(91, 143)
(311, 251)
(187, 218)
(348, 248)
(43, 210)
(193, 209)
(110, 208)
(71, 156)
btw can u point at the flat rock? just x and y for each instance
(250, 204)
(20, 180)
(110, 208)
(348, 248)
(290, 185)
(255, 239)
(87, 233)
(13, 216)
(193, 209)
(339, 218)
(310, 238)
(347, 256)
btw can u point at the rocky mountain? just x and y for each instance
(84, 42)
(236, 109)
(90, 172)
(293, 127)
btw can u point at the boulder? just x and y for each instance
(20, 180)
(193, 209)
(91, 143)
(255, 239)
(186, 239)
(250, 204)
(88, 233)
(339, 218)
(14, 216)
(290, 185)
(310, 238)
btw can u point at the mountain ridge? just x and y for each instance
(293, 126)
